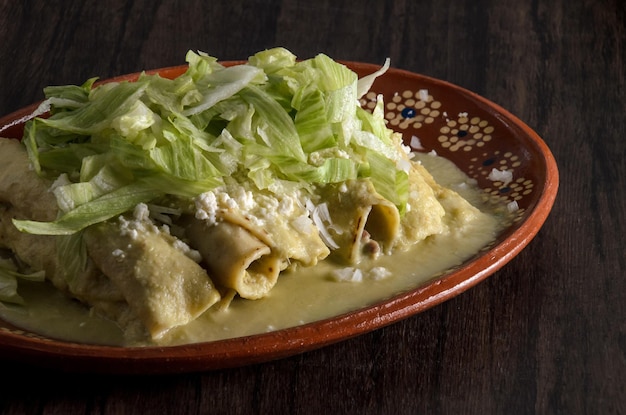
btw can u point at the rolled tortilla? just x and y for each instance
(161, 284)
(26, 195)
(36, 251)
(424, 215)
(40, 253)
(281, 221)
(20, 185)
(362, 223)
(294, 238)
(236, 258)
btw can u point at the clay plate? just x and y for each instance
(473, 132)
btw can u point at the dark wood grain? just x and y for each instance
(546, 334)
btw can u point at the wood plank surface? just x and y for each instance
(546, 334)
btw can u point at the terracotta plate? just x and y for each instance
(475, 133)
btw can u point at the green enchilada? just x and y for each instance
(163, 199)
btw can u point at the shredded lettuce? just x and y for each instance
(9, 276)
(365, 84)
(72, 258)
(270, 121)
(97, 210)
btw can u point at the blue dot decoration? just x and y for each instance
(462, 133)
(488, 162)
(409, 112)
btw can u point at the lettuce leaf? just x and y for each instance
(9, 276)
(272, 120)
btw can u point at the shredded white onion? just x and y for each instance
(503, 176)
(319, 214)
(416, 144)
(423, 94)
(512, 206)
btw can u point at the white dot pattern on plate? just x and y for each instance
(462, 132)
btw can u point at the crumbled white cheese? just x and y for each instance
(186, 249)
(261, 209)
(353, 274)
(423, 94)
(317, 158)
(432, 153)
(247, 201)
(206, 207)
(133, 233)
(342, 154)
(379, 273)
(119, 255)
(286, 206)
(140, 223)
(226, 201)
(141, 212)
(347, 274)
(462, 114)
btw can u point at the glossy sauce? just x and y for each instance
(300, 297)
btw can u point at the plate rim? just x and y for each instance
(263, 347)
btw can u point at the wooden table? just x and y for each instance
(546, 334)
